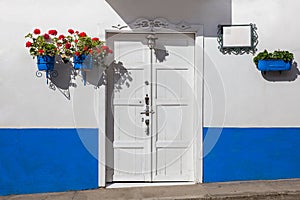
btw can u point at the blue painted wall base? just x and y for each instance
(253, 154)
(47, 160)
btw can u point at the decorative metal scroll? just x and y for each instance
(155, 24)
(160, 25)
(239, 49)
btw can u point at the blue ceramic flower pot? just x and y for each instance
(45, 63)
(84, 62)
(273, 65)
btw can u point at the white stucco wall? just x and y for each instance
(251, 100)
(25, 99)
(236, 93)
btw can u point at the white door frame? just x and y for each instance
(161, 25)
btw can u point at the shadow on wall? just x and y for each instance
(161, 53)
(276, 76)
(209, 13)
(63, 77)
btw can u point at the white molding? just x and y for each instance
(102, 137)
(198, 105)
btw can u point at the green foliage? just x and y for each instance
(41, 46)
(276, 55)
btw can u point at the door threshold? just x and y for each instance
(139, 184)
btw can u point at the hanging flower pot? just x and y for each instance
(274, 61)
(273, 65)
(45, 63)
(83, 62)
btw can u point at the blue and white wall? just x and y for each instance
(251, 122)
(47, 142)
(259, 134)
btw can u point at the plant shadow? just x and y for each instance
(60, 78)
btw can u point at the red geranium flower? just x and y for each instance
(41, 51)
(46, 36)
(71, 31)
(105, 48)
(85, 48)
(77, 32)
(61, 37)
(37, 31)
(82, 34)
(110, 51)
(28, 44)
(77, 53)
(95, 39)
(52, 32)
(58, 44)
(75, 41)
(68, 45)
(91, 51)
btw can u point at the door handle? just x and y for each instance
(147, 112)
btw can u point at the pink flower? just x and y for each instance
(28, 44)
(46, 36)
(37, 31)
(71, 31)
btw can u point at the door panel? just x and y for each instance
(163, 151)
(131, 157)
(173, 124)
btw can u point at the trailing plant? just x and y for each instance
(286, 56)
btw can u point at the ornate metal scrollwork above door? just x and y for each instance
(160, 25)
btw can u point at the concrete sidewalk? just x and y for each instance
(281, 189)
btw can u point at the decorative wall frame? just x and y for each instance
(237, 39)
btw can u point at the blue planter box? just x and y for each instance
(273, 65)
(84, 62)
(45, 63)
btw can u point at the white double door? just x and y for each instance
(152, 139)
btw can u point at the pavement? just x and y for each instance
(280, 189)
